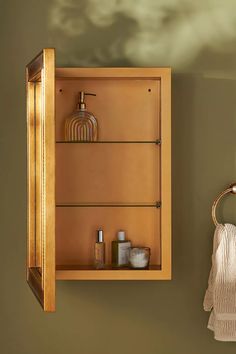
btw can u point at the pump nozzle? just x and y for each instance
(82, 104)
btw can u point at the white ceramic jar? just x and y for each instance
(139, 257)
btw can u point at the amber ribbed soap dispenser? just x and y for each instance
(81, 125)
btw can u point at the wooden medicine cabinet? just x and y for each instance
(121, 181)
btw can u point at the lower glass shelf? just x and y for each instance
(131, 205)
(88, 272)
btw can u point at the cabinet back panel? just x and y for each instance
(76, 231)
(115, 173)
(126, 109)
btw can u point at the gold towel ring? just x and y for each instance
(231, 189)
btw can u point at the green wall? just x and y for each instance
(198, 41)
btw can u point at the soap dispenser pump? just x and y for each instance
(81, 125)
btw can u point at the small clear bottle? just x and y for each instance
(81, 125)
(99, 251)
(120, 251)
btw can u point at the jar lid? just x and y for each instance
(121, 235)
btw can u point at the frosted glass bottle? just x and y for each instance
(81, 125)
(120, 250)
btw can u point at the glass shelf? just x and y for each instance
(118, 205)
(107, 267)
(157, 142)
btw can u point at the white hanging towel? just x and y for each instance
(220, 297)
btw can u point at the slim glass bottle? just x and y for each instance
(99, 251)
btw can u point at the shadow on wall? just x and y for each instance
(144, 32)
(203, 163)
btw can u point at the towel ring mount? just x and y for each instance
(230, 189)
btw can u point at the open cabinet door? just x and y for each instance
(40, 81)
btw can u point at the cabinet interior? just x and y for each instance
(114, 183)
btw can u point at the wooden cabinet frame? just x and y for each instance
(40, 78)
(42, 270)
